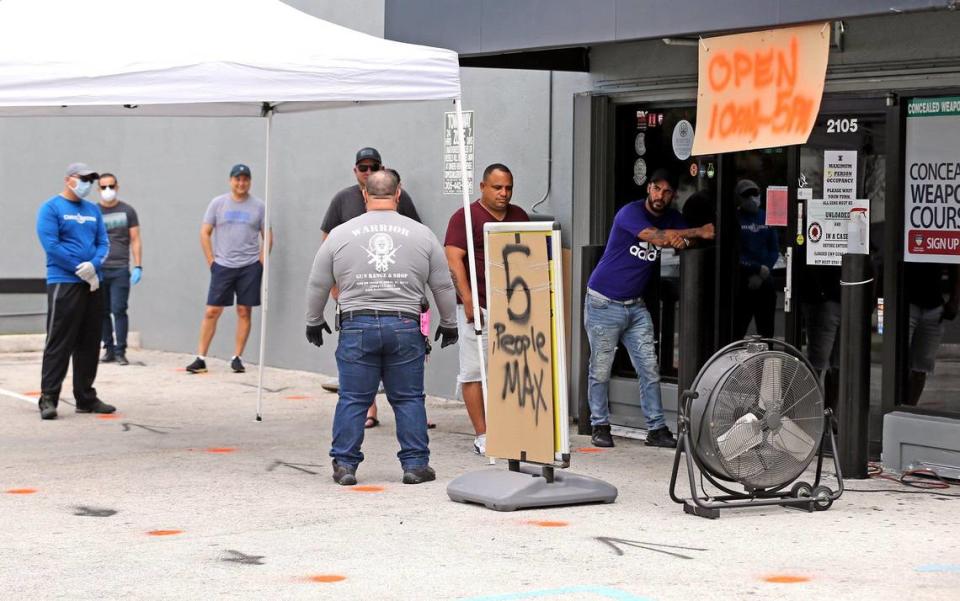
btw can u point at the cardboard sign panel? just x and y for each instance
(520, 412)
(760, 90)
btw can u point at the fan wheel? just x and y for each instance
(801, 490)
(822, 498)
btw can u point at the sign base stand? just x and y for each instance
(528, 487)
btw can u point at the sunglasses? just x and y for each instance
(365, 168)
(110, 186)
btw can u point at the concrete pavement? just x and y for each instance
(184, 496)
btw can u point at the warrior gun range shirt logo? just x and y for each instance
(382, 251)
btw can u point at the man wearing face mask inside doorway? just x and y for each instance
(123, 229)
(72, 233)
(759, 250)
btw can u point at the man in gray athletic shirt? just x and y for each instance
(381, 261)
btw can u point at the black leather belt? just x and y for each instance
(378, 313)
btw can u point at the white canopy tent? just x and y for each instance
(229, 58)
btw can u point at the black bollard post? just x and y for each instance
(697, 303)
(853, 404)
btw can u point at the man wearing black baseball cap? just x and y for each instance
(234, 255)
(348, 203)
(614, 310)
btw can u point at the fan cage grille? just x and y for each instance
(766, 420)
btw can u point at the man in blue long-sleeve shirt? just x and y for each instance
(759, 251)
(72, 233)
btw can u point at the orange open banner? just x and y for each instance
(760, 90)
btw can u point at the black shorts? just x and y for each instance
(244, 282)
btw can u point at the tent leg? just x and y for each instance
(264, 284)
(471, 260)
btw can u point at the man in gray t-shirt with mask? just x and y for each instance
(123, 229)
(231, 237)
(381, 261)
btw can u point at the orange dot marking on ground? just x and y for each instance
(180, 369)
(108, 416)
(164, 532)
(548, 523)
(32, 393)
(785, 579)
(367, 488)
(326, 578)
(298, 397)
(21, 491)
(221, 450)
(590, 450)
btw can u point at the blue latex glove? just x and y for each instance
(135, 275)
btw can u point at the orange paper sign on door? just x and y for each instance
(760, 90)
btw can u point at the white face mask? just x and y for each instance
(109, 194)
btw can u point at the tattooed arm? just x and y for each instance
(676, 238)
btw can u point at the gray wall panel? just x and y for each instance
(540, 23)
(495, 26)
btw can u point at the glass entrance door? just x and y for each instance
(843, 165)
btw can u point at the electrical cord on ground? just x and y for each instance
(918, 478)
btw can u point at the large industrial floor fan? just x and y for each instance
(755, 417)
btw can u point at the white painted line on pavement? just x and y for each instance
(17, 395)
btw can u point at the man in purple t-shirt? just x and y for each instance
(614, 310)
(496, 190)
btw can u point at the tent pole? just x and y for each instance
(264, 284)
(471, 260)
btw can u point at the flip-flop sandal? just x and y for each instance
(431, 425)
(371, 422)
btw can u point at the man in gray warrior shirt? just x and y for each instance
(381, 261)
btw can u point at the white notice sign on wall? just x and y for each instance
(451, 152)
(829, 226)
(839, 174)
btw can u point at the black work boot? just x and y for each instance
(95, 406)
(601, 436)
(419, 475)
(48, 407)
(344, 475)
(661, 437)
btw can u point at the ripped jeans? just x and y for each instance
(608, 322)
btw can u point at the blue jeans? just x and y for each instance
(608, 322)
(372, 349)
(115, 284)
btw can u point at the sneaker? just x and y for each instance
(237, 366)
(122, 359)
(344, 475)
(108, 357)
(601, 436)
(199, 366)
(48, 407)
(480, 444)
(419, 475)
(97, 406)
(661, 437)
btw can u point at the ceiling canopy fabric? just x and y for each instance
(201, 58)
